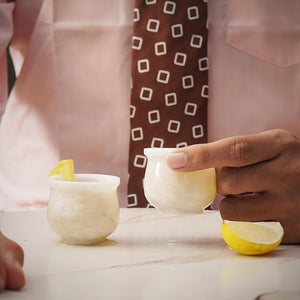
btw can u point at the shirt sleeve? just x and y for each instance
(6, 32)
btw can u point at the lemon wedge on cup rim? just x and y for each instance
(252, 238)
(65, 168)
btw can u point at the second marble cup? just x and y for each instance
(176, 192)
(84, 211)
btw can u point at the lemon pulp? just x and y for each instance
(252, 238)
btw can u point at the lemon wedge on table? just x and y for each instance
(252, 238)
(65, 168)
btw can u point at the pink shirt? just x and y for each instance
(254, 55)
(72, 95)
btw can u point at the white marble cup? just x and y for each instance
(84, 211)
(176, 192)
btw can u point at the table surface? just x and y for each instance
(149, 256)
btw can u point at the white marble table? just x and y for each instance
(149, 256)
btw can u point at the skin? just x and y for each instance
(11, 262)
(259, 175)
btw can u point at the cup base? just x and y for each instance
(83, 243)
(178, 212)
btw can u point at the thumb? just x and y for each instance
(15, 278)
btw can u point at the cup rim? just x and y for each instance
(158, 151)
(95, 179)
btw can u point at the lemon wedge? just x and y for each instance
(252, 238)
(64, 168)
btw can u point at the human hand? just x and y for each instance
(258, 174)
(11, 262)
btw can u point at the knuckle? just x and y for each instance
(293, 144)
(279, 132)
(228, 209)
(225, 182)
(287, 139)
(204, 158)
(289, 159)
(239, 149)
(16, 249)
(198, 157)
(224, 209)
(297, 171)
(295, 178)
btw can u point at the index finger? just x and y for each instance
(235, 151)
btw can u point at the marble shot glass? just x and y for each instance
(83, 211)
(176, 192)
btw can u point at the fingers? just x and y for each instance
(255, 178)
(15, 279)
(265, 207)
(231, 152)
(2, 276)
(11, 261)
(249, 208)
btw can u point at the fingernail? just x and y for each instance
(177, 160)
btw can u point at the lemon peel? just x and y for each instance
(65, 168)
(252, 238)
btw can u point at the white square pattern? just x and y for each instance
(140, 161)
(149, 2)
(196, 41)
(198, 131)
(153, 116)
(132, 200)
(157, 143)
(132, 111)
(188, 81)
(182, 144)
(193, 13)
(169, 7)
(171, 99)
(146, 93)
(137, 43)
(163, 76)
(143, 65)
(160, 48)
(177, 30)
(190, 109)
(203, 64)
(137, 134)
(174, 126)
(153, 25)
(204, 91)
(180, 59)
(136, 15)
